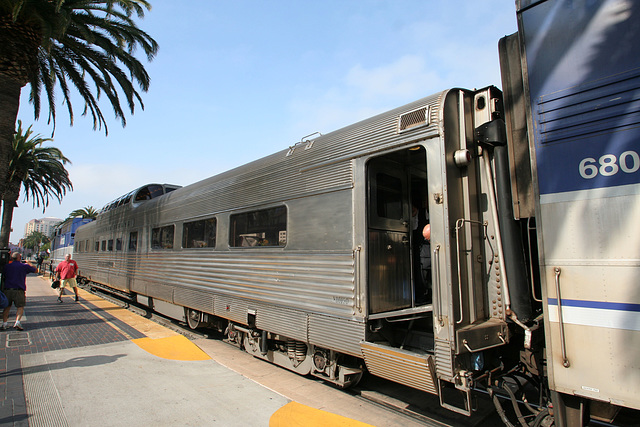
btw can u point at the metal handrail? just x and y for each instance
(436, 257)
(563, 346)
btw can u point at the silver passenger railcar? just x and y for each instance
(304, 252)
(313, 258)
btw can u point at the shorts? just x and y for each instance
(16, 297)
(71, 282)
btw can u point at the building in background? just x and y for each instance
(43, 225)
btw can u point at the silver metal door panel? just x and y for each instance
(389, 271)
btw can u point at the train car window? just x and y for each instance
(97, 246)
(162, 237)
(110, 245)
(86, 245)
(266, 227)
(104, 245)
(133, 241)
(389, 198)
(118, 244)
(199, 234)
(149, 192)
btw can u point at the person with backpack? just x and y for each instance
(15, 288)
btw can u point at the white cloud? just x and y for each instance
(405, 77)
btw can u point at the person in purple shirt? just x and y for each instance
(15, 288)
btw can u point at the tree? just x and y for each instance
(40, 170)
(35, 241)
(87, 212)
(64, 44)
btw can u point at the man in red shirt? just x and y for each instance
(66, 272)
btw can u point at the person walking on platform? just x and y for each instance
(66, 272)
(15, 288)
(39, 260)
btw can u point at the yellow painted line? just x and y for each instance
(107, 321)
(148, 327)
(176, 347)
(295, 414)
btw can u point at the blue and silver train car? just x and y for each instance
(64, 237)
(315, 259)
(579, 108)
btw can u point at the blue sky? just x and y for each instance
(234, 81)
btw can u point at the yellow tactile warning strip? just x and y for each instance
(295, 414)
(160, 341)
(149, 328)
(177, 347)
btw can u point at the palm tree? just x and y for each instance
(35, 240)
(87, 212)
(40, 170)
(70, 43)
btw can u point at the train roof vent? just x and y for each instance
(413, 119)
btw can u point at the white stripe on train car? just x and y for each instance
(601, 314)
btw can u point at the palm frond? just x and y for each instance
(89, 46)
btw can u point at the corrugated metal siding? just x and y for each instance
(336, 334)
(318, 282)
(400, 366)
(234, 309)
(200, 298)
(444, 359)
(290, 323)
(161, 291)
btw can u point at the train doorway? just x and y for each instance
(396, 202)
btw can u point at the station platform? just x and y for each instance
(94, 363)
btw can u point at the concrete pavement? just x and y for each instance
(94, 363)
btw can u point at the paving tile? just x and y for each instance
(50, 326)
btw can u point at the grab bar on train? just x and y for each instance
(357, 254)
(438, 298)
(563, 345)
(531, 278)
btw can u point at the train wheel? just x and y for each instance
(194, 318)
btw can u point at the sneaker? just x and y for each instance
(59, 299)
(77, 298)
(5, 325)
(18, 326)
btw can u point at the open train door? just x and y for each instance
(389, 248)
